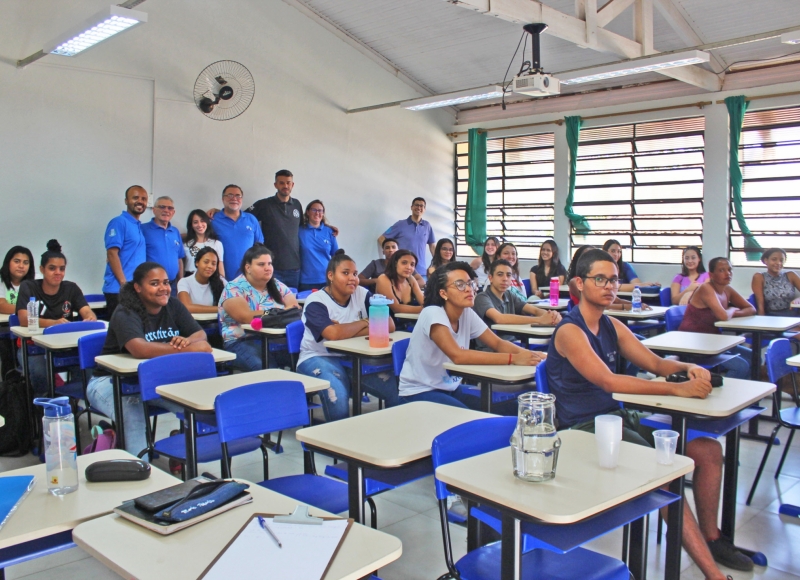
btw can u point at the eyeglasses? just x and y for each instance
(602, 281)
(462, 286)
(165, 207)
(236, 196)
(446, 249)
(422, 205)
(316, 211)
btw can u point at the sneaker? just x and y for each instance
(725, 553)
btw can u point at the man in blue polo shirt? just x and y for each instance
(238, 231)
(413, 233)
(163, 240)
(125, 245)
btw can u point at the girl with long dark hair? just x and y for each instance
(693, 273)
(398, 283)
(482, 263)
(201, 292)
(444, 253)
(627, 275)
(17, 267)
(200, 234)
(549, 266)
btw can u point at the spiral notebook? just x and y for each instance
(13, 489)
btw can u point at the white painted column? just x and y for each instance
(562, 225)
(716, 189)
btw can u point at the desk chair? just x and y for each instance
(673, 318)
(294, 336)
(253, 410)
(551, 552)
(180, 368)
(665, 296)
(527, 283)
(778, 351)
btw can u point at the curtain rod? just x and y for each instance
(560, 122)
(748, 99)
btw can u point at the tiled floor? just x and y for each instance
(410, 513)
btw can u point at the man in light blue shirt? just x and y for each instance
(163, 241)
(413, 233)
(237, 230)
(125, 245)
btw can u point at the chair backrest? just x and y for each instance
(13, 320)
(81, 326)
(174, 368)
(292, 290)
(304, 293)
(540, 377)
(90, 346)
(778, 351)
(399, 349)
(570, 305)
(752, 300)
(467, 440)
(665, 296)
(674, 316)
(94, 297)
(260, 408)
(294, 336)
(527, 283)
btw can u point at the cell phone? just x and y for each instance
(156, 501)
(683, 376)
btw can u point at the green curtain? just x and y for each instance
(573, 134)
(475, 221)
(737, 106)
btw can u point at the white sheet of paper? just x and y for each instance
(305, 554)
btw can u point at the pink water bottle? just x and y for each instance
(379, 321)
(554, 291)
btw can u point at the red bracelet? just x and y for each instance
(509, 358)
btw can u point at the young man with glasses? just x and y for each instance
(580, 371)
(125, 245)
(238, 231)
(413, 233)
(163, 241)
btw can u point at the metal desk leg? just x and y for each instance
(355, 492)
(755, 359)
(36, 425)
(675, 510)
(190, 436)
(120, 421)
(264, 352)
(485, 388)
(637, 552)
(729, 482)
(356, 386)
(51, 371)
(510, 549)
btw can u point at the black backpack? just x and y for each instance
(16, 435)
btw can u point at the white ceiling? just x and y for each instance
(445, 47)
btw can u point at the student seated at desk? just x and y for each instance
(508, 252)
(252, 294)
(775, 289)
(549, 266)
(481, 263)
(59, 300)
(627, 275)
(497, 306)
(17, 267)
(201, 291)
(442, 334)
(575, 292)
(444, 253)
(339, 311)
(147, 323)
(399, 284)
(580, 371)
(714, 301)
(368, 277)
(693, 273)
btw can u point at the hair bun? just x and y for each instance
(339, 252)
(54, 246)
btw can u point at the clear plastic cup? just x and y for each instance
(607, 436)
(666, 443)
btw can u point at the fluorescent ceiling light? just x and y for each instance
(792, 37)
(633, 67)
(103, 25)
(457, 98)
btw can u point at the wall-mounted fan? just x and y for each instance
(224, 90)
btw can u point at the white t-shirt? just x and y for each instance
(195, 249)
(319, 312)
(198, 293)
(483, 275)
(423, 370)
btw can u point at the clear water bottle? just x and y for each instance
(535, 441)
(60, 449)
(636, 300)
(33, 314)
(379, 321)
(554, 288)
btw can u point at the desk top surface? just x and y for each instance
(200, 395)
(734, 395)
(41, 514)
(204, 316)
(793, 360)
(545, 304)
(61, 341)
(4, 318)
(271, 331)
(97, 304)
(510, 373)
(526, 329)
(360, 344)
(126, 364)
(580, 489)
(692, 342)
(407, 315)
(391, 437)
(767, 323)
(654, 312)
(133, 551)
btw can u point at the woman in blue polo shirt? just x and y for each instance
(317, 246)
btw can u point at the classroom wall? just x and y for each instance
(78, 131)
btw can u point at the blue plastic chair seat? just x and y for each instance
(380, 480)
(497, 396)
(484, 564)
(705, 427)
(791, 416)
(321, 492)
(208, 447)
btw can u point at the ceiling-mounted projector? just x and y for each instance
(536, 85)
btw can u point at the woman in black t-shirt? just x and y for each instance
(147, 323)
(59, 300)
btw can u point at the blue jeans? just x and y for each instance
(738, 367)
(248, 355)
(457, 398)
(100, 392)
(336, 399)
(289, 277)
(37, 367)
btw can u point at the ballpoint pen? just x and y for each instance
(265, 526)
